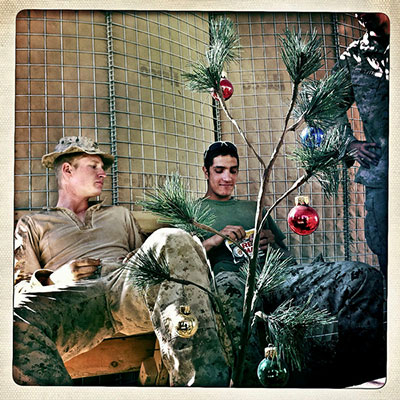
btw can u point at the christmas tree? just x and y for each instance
(315, 103)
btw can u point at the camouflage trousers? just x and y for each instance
(56, 323)
(349, 351)
(376, 224)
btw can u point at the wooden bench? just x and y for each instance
(124, 353)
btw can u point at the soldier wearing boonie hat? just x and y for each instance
(72, 289)
(70, 145)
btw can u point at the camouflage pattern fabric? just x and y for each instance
(231, 292)
(376, 224)
(53, 323)
(368, 64)
(353, 349)
(199, 360)
(349, 351)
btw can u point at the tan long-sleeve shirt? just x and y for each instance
(49, 239)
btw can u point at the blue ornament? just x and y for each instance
(311, 137)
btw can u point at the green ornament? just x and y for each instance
(270, 372)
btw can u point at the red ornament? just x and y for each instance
(227, 89)
(302, 218)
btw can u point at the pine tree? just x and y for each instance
(316, 103)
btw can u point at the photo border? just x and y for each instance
(8, 11)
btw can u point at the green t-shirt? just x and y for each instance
(234, 212)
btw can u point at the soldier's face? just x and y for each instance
(378, 23)
(86, 176)
(222, 176)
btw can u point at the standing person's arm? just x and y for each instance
(359, 151)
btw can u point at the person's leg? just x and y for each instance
(353, 350)
(376, 224)
(53, 325)
(231, 291)
(198, 360)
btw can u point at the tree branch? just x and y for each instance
(223, 105)
(303, 179)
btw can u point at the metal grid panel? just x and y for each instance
(117, 78)
(262, 95)
(162, 128)
(61, 90)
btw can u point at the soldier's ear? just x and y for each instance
(66, 168)
(205, 172)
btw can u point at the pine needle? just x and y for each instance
(288, 327)
(224, 42)
(271, 275)
(224, 48)
(301, 56)
(324, 163)
(147, 269)
(321, 102)
(177, 207)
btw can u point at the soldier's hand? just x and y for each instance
(75, 270)
(266, 238)
(363, 154)
(233, 232)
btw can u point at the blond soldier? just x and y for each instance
(72, 291)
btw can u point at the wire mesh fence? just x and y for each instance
(262, 96)
(116, 77)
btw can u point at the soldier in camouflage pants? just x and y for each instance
(367, 61)
(340, 354)
(72, 290)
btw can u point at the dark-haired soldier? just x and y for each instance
(339, 355)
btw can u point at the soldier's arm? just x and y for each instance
(28, 271)
(234, 232)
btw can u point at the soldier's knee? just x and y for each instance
(364, 276)
(166, 236)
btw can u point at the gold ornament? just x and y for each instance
(186, 323)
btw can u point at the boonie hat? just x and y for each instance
(76, 144)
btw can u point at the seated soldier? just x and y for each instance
(350, 291)
(72, 290)
(234, 217)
